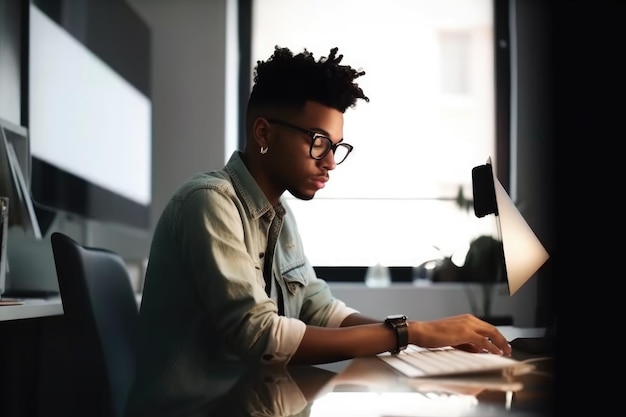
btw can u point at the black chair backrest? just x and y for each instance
(98, 299)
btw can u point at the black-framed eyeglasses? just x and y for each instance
(320, 144)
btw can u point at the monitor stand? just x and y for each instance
(542, 345)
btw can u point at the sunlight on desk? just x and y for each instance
(366, 404)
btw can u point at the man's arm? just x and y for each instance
(330, 344)
(355, 319)
(465, 331)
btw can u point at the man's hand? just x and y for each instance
(465, 331)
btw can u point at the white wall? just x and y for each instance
(188, 83)
(193, 116)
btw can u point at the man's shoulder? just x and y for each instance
(217, 181)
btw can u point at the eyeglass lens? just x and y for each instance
(322, 145)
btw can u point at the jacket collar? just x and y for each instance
(247, 188)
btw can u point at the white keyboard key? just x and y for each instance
(417, 361)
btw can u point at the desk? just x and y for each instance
(22, 330)
(32, 308)
(366, 387)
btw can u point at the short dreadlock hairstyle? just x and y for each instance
(288, 80)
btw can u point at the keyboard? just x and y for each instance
(415, 362)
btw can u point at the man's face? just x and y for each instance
(290, 164)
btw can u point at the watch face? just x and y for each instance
(396, 317)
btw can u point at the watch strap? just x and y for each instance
(401, 328)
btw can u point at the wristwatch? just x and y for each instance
(399, 325)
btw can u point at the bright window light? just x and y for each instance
(430, 78)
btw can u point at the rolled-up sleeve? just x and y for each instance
(286, 335)
(338, 312)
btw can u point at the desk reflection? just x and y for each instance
(366, 387)
(272, 391)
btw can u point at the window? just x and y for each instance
(400, 198)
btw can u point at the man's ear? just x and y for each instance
(260, 132)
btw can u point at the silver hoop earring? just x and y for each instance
(264, 150)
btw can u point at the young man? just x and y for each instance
(227, 278)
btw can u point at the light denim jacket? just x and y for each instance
(204, 299)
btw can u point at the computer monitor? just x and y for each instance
(4, 230)
(522, 252)
(13, 183)
(89, 127)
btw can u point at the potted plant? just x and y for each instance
(483, 264)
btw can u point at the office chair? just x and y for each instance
(100, 306)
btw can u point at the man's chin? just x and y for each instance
(303, 196)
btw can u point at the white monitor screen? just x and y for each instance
(83, 116)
